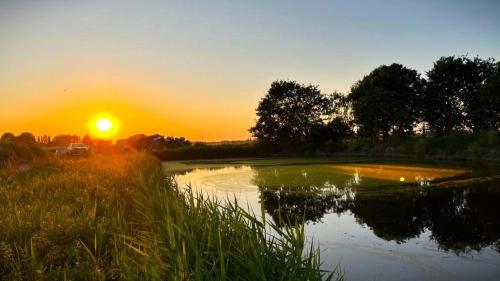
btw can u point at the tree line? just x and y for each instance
(25, 147)
(137, 142)
(458, 94)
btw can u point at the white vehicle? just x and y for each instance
(77, 149)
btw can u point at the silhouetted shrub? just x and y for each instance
(19, 151)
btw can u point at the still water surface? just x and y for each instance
(378, 222)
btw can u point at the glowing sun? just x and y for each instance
(103, 125)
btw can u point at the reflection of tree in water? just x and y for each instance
(290, 195)
(288, 206)
(393, 216)
(460, 219)
(466, 219)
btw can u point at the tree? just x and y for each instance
(288, 112)
(387, 101)
(87, 140)
(64, 140)
(341, 107)
(45, 140)
(8, 136)
(453, 96)
(26, 137)
(172, 142)
(332, 132)
(487, 114)
(139, 141)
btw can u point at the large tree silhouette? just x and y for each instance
(487, 112)
(26, 137)
(288, 112)
(388, 100)
(455, 97)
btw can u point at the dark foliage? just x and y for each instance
(64, 140)
(387, 101)
(456, 95)
(154, 142)
(203, 151)
(487, 113)
(392, 102)
(8, 136)
(17, 151)
(288, 112)
(87, 140)
(332, 132)
(26, 138)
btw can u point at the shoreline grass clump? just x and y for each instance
(118, 218)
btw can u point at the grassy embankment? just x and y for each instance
(461, 145)
(117, 218)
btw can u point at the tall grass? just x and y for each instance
(119, 218)
(59, 218)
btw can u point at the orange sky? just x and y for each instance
(67, 113)
(64, 100)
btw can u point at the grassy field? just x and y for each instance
(119, 218)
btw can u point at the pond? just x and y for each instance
(376, 221)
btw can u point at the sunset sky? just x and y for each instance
(198, 68)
